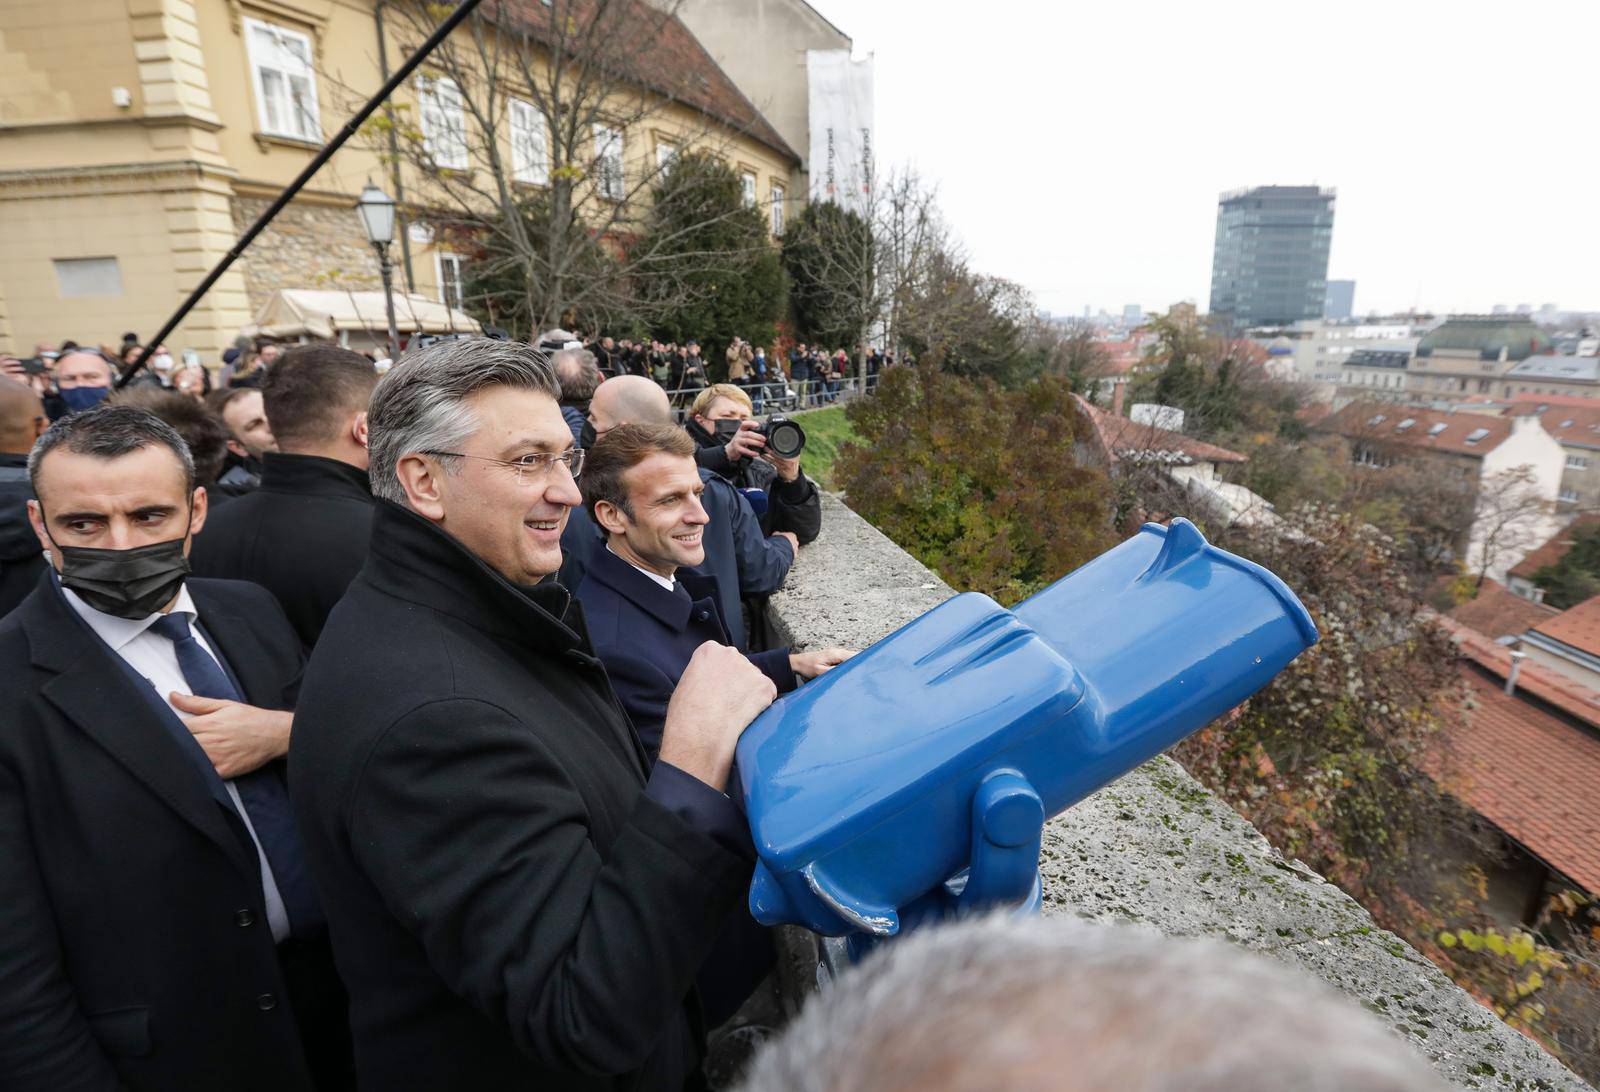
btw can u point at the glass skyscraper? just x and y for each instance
(1270, 265)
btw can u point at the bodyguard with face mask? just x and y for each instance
(160, 927)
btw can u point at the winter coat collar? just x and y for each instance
(415, 561)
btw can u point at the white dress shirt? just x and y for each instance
(156, 659)
(668, 582)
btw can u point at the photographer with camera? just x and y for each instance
(761, 459)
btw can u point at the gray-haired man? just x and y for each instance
(517, 899)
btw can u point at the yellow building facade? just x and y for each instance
(139, 138)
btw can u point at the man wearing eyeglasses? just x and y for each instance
(516, 897)
(302, 534)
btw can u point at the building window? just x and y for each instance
(444, 124)
(285, 84)
(1577, 462)
(1568, 496)
(530, 154)
(777, 209)
(77, 278)
(666, 152)
(747, 188)
(447, 270)
(608, 162)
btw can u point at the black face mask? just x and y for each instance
(131, 584)
(587, 437)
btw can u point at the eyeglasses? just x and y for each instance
(530, 467)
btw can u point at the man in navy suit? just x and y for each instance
(158, 927)
(746, 562)
(647, 613)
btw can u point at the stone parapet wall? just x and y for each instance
(1156, 848)
(306, 246)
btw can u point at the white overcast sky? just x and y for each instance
(1079, 147)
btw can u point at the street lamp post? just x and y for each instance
(377, 216)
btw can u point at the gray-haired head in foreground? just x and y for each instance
(1033, 1004)
(109, 431)
(421, 404)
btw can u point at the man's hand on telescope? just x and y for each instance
(718, 695)
(808, 665)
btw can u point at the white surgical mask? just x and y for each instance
(161, 362)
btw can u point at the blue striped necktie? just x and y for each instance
(265, 799)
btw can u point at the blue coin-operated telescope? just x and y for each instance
(918, 775)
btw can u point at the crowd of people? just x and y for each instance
(805, 375)
(379, 731)
(320, 568)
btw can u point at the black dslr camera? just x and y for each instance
(785, 438)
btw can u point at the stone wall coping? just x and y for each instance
(1157, 849)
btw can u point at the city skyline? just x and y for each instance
(1461, 184)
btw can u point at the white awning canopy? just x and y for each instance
(334, 315)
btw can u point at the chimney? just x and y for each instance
(1517, 656)
(1116, 396)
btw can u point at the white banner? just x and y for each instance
(841, 128)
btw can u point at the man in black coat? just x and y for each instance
(791, 500)
(303, 534)
(22, 419)
(158, 927)
(517, 899)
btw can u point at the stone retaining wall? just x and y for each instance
(1159, 849)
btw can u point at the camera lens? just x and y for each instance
(785, 438)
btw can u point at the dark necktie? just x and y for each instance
(262, 792)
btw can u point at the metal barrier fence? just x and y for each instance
(786, 396)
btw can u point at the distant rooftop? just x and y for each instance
(1377, 358)
(1437, 430)
(1487, 336)
(1529, 772)
(1554, 549)
(1574, 422)
(1122, 439)
(1499, 612)
(1529, 761)
(1580, 369)
(1279, 192)
(1577, 628)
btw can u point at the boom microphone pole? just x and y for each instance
(442, 32)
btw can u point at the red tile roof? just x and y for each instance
(671, 61)
(1545, 683)
(1314, 414)
(1434, 430)
(1498, 612)
(1574, 400)
(1528, 771)
(1117, 358)
(1120, 438)
(1553, 550)
(1578, 627)
(1572, 421)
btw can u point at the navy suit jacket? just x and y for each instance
(645, 635)
(744, 561)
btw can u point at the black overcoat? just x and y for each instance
(510, 907)
(302, 535)
(134, 946)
